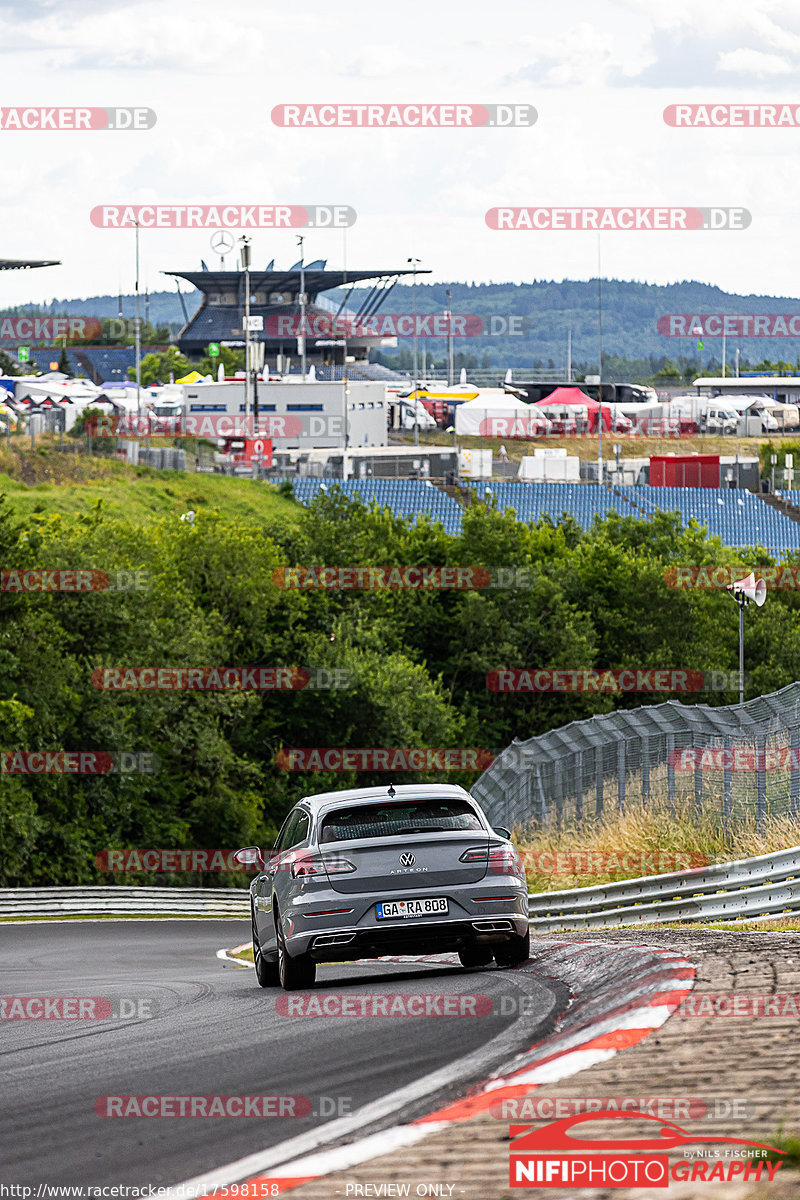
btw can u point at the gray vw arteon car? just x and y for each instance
(415, 869)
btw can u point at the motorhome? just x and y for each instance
(723, 414)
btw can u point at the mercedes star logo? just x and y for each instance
(407, 860)
(222, 241)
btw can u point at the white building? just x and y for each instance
(318, 415)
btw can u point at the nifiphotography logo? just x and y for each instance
(550, 1156)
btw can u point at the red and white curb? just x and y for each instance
(627, 1011)
(232, 956)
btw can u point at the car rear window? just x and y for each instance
(387, 820)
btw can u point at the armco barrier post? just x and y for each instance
(598, 777)
(761, 784)
(645, 756)
(579, 789)
(534, 777)
(558, 788)
(727, 784)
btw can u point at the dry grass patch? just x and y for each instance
(628, 844)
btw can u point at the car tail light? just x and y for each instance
(478, 854)
(321, 866)
(503, 860)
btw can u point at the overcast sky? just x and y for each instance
(599, 73)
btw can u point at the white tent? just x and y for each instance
(494, 413)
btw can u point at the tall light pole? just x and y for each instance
(245, 241)
(743, 592)
(414, 264)
(137, 334)
(697, 330)
(449, 341)
(345, 373)
(302, 299)
(600, 371)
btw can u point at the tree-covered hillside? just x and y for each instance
(548, 311)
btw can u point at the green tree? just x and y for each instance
(157, 368)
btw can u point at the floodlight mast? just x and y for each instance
(138, 337)
(245, 244)
(743, 592)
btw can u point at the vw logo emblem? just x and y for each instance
(407, 860)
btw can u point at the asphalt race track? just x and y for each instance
(213, 1031)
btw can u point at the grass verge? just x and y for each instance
(47, 481)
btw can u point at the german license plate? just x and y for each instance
(392, 909)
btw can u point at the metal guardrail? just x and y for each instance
(124, 901)
(765, 885)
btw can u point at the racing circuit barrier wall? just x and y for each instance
(124, 901)
(764, 886)
(743, 765)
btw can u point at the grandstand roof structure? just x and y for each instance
(277, 293)
(25, 264)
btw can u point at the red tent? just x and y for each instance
(568, 397)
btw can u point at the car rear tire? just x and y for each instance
(475, 956)
(266, 972)
(293, 973)
(514, 952)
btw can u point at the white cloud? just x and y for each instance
(754, 63)
(599, 72)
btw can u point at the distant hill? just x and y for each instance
(548, 310)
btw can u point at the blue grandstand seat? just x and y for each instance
(738, 517)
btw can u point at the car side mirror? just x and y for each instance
(506, 833)
(249, 856)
